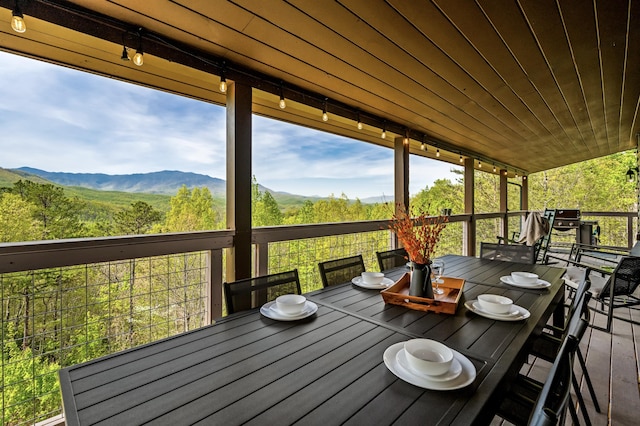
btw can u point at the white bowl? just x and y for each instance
(495, 303)
(372, 277)
(428, 356)
(524, 277)
(290, 304)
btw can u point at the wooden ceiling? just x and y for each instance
(529, 84)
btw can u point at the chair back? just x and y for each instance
(555, 394)
(340, 271)
(508, 252)
(542, 245)
(392, 258)
(250, 293)
(625, 278)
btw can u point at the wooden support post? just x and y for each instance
(239, 100)
(400, 177)
(469, 243)
(504, 223)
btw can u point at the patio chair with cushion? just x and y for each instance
(612, 289)
(250, 293)
(392, 258)
(340, 271)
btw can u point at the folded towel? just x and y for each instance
(534, 227)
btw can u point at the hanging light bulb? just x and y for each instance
(359, 124)
(406, 137)
(494, 168)
(438, 152)
(479, 164)
(223, 83)
(516, 175)
(383, 135)
(138, 57)
(17, 20)
(325, 116)
(461, 159)
(282, 103)
(524, 177)
(423, 146)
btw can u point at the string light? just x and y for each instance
(138, 57)
(359, 122)
(479, 164)
(494, 168)
(461, 159)
(282, 103)
(438, 152)
(17, 20)
(325, 116)
(423, 146)
(406, 137)
(223, 83)
(383, 135)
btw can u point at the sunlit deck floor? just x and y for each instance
(614, 367)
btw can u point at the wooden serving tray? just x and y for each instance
(446, 303)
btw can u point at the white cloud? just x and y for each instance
(58, 119)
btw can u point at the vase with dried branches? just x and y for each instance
(419, 235)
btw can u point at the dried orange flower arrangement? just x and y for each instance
(418, 235)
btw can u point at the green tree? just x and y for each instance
(264, 208)
(16, 219)
(191, 210)
(58, 215)
(136, 220)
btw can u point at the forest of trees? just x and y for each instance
(63, 316)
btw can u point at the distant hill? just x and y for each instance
(161, 183)
(165, 182)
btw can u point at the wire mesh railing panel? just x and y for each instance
(59, 317)
(305, 254)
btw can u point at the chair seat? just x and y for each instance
(574, 274)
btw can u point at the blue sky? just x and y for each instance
(62, 120)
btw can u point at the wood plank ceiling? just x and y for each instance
(528, 84)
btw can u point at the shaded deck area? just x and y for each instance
(614, 366)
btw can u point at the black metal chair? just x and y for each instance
(530, 402)
(508, 252)
(250, 293)
(392, 258)
(612, 289)
(547, 345)
(340, 271)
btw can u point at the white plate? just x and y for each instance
(466, 377)
(386, 282)
(454, 370)
(269, 310)
(515, 310)
(539, 284)
(473, 306)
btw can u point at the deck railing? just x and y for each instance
(69, 301)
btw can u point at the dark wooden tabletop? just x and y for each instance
(326, 369)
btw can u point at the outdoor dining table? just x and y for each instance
(325, 369)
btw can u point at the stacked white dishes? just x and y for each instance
(289, 307)
(525, 280)
(495, 303)
(497, 307)
(429, 364)
(372, 280)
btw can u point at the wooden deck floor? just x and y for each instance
(614, 366)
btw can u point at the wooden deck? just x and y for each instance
(614, 367)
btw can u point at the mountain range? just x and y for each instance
(166, 182)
